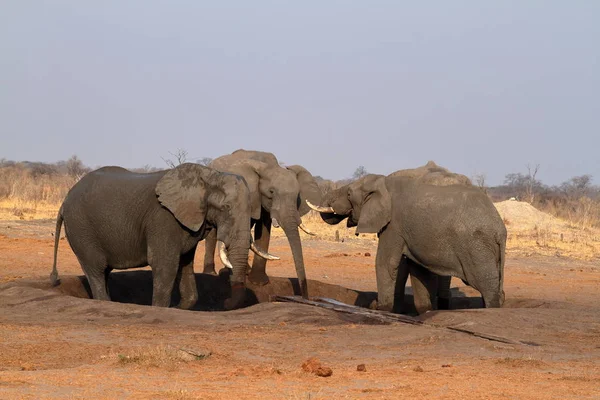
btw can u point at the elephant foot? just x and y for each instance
(383, 306)
(238, 295)
(260, 279)
(186, 305)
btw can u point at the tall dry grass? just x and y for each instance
(582, 212)
(28, 194)
(571, 226)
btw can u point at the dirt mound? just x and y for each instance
(520, 215)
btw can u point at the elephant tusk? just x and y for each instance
(321, 209)
(306, 230)
(260, 252)
(275, 223)
(223, 255)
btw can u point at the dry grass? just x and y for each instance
(11, 209)
(531, 231)
(158, 356)
(523, 362)
(27, 195)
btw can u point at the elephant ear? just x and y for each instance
(183, 191)
(309, 189)
(250, 170)
(376, 210)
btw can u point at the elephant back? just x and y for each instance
(433, 174)
(229, 159)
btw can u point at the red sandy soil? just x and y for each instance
(54, 346)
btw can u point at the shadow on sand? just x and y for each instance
(136, 287)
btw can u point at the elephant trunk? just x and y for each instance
(336, 206)
(238, 257)
(290, 227)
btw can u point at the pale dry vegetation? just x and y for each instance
(157, 356)
(32, 191)
(563, 221)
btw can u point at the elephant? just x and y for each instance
(448, 230)
(278, 196)
(432, 174)
(118, 219)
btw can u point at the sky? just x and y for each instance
(478, 87)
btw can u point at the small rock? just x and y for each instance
(446, 365)
(367, 254)
(192, 354)
(27, 367)
(324, 372)
(361, 368)
(313, 365)
(418, 369)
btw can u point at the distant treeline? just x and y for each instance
(576, 200)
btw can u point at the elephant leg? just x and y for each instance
(96, 271)
(399, 291)
(165, 263)
(163, 280)
(210, 244)
(425, 286)
(483, 274)
(262, 237)
(187, 281)
(389, 255)
(444, 295)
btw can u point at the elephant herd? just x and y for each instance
(432, 224)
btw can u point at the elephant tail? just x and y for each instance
(54, 274)
(501, 241)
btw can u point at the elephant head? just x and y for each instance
(200, 197)
(366, 203)
(281, 193)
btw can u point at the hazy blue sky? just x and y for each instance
(477, 86)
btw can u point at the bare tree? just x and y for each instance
(75, 168)
(204, 161)
(531, 182)
(479, 180)
(180, 157)
(359, 172)
(145, 169)
(577, 186)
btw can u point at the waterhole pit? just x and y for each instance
(136, 287)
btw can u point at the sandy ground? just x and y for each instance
(57, 344)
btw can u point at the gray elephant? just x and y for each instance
(117, 219)
(432, 174)
(278, 195)
(448, 230)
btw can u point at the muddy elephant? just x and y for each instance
(278, 195)
(433, 174)
(117, 219)
(448, 230)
